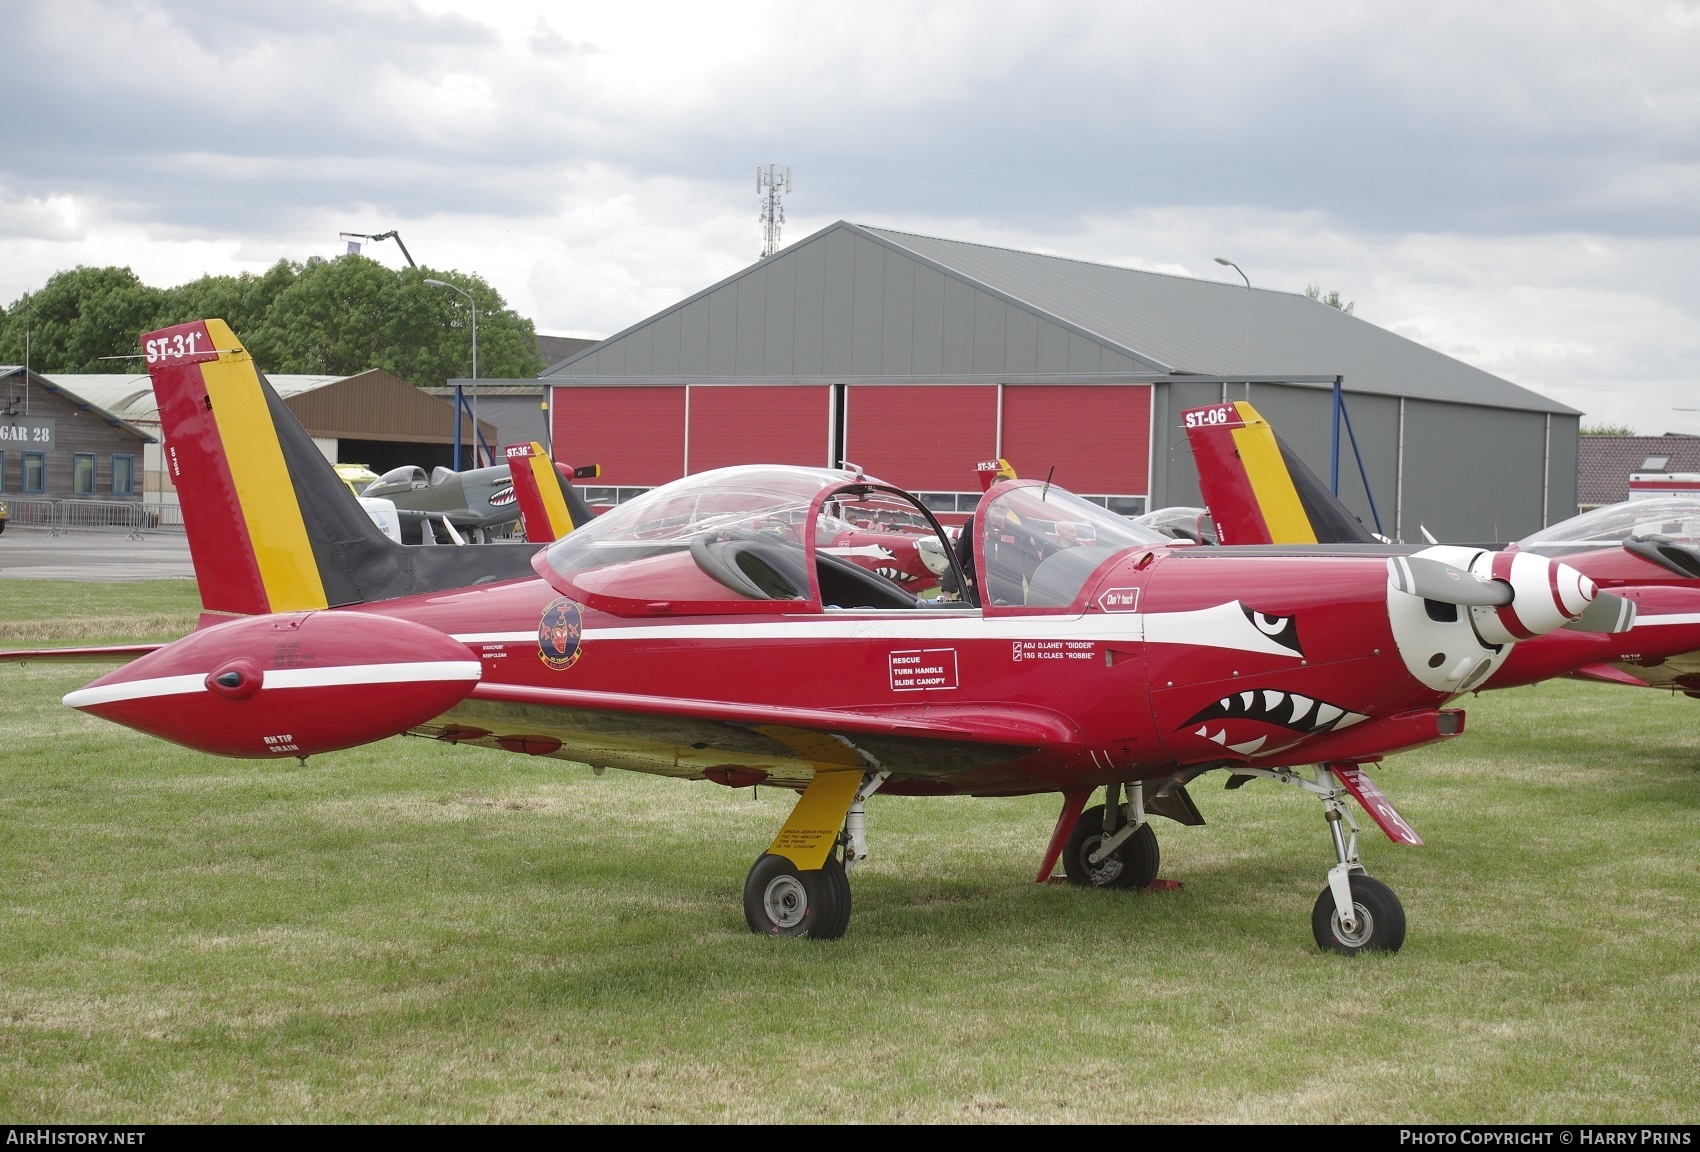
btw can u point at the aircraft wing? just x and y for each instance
(704, 739)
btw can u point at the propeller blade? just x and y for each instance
(1434, 580)
(1607, 613)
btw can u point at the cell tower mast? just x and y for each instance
(770, 186)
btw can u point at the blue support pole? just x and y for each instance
(1363, 473)
(1334, 457)
(459, 401)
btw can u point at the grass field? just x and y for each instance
(414, 932)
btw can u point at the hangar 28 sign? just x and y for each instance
(34, 433)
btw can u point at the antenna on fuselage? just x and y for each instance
(1046, 490)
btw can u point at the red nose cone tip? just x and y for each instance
(292, 685)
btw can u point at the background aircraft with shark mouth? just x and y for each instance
(1258, 491)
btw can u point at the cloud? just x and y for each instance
(1518, 183)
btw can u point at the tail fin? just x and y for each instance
(271, 528)
(992, 471)
(549, 505)
(1257, 490)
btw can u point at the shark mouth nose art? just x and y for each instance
(1241, 713)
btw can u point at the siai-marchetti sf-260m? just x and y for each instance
(701, 631)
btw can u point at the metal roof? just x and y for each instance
(92, 401)
(129, 395)
(1603, 463)
(1189, 325)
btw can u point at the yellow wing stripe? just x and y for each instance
(1283, 511)
(549, 491)
(282, 551)
(808, 836)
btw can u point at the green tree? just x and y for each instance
(1331, 298)
(345, 315)
(1607, 430)
(241, 301)
(333, 318)
(79, 320)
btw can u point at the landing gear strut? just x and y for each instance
(799, 886)
(1113, 846)
(1356, 912)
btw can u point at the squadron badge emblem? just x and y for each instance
(559, 634)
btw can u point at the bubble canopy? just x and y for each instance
(1674, 517)
(1039, 545)
(740, 539)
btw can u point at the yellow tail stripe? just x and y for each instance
(549, 490)
(1283, 511)
(282, 551)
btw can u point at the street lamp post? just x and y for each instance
(1225, 262)
(474, 306)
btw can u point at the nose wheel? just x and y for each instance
(1378, 919)
(1356, 912)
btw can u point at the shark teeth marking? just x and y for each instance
(895, 574)
(1288, 710)
(1249, 746)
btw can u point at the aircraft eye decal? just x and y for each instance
(1284, 630)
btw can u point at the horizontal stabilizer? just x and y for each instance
(1609, 675)
(86, 655)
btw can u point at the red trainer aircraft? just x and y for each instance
(1645, 551)
(701, 631)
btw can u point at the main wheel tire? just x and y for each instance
(1381, 920)
(782, 900)
(1132, 865)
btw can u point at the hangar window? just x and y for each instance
(123, 475)
(1655, 464)
(35, 472)
(82, 474)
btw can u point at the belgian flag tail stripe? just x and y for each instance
(246, 533)
(1258, 491)
(542, 504)
(271, 526)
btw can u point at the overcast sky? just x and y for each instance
(1514, 184)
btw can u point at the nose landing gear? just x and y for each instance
(1356, 912)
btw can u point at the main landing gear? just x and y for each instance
(1112, 845)
(800, 885)
(1356, 912)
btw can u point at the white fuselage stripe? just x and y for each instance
(1669, 618)
(1221, 626)
(327, 677)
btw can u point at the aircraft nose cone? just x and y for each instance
(1547, 595)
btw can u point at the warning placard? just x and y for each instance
(923, 670)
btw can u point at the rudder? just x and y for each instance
(271, 528)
